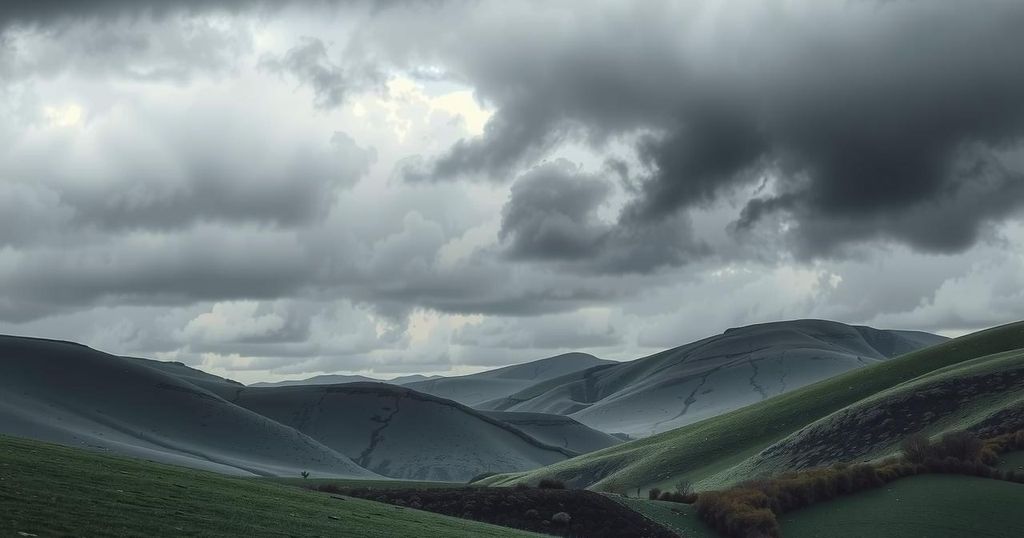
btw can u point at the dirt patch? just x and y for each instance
(549, 511)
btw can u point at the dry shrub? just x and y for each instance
(751, 508)
(676, 497)
(916, 448)
(961, 445)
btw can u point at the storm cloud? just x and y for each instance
(276, 188)
(552, 215)
(874, 121)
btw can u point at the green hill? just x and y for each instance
(936, 506)
(721, 450)
(49, 490)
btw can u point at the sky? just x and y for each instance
(270, 190)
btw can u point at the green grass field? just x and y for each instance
(1011, 461)
(49, 490)
(711, 452)
(681, 518)
(926, 506)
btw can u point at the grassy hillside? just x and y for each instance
(985, 395)
(711, 451)
(936, 506)
(51, 490)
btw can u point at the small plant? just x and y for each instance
(305, 474)
(684, 487)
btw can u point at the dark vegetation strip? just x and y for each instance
(751, 509)
(548, 509)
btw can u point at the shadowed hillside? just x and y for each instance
(71, 394)
(401, 433)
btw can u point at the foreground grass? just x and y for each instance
(711, 452)
(936, 506)
(49, 490)
(1011, 461)
(681, 518)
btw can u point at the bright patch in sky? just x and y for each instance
(68, 115)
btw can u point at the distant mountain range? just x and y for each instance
(711, 376)
(478, 388)
(526, 416)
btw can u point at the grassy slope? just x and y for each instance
(706, 451)
(51, 490)
(357, 483)
(936, 506)
(1011, 461)
(681, 518)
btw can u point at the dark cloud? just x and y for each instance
(869, 116)
(33, 12)
(309, 63)
(552, 216)
(206, 264)
(148, 171)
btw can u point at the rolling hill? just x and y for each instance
(50, 490)
(477, 388)
(71, 394)
(711, 376)
(401, 433)
(971, 381)
(556, 430)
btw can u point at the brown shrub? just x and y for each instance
(916, 448)
(751, 508)
(654, 494)
(961, 445)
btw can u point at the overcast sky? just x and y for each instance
(271, 190)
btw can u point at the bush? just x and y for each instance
(676, 497)
(550, 483)
(561, 518)
(305, 474)
(654, 494)
(684, 487)
(916, 448)
(962, 445)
